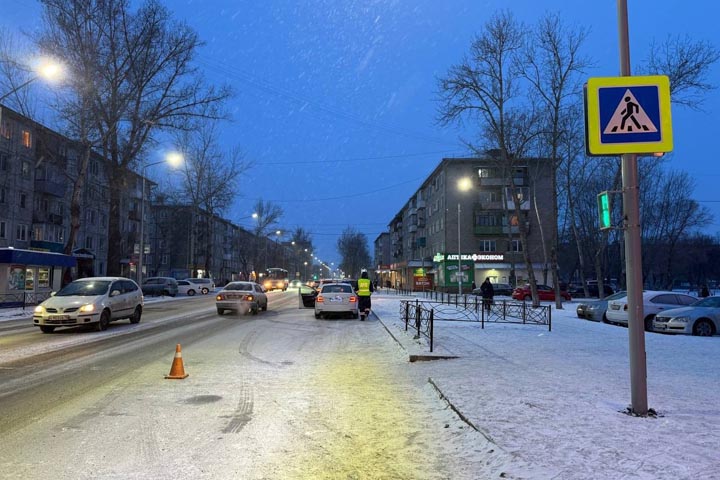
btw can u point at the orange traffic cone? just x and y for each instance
(177, 371)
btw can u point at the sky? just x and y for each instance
(336, 100)
(548, 404)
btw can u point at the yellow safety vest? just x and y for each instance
(364, 287)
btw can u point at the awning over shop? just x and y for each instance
(32, 257)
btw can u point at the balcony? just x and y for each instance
(56, 189)
(488, 230)
(494, 181)
(412, 228)
(420, 204)
(51, 218)
(514, 229)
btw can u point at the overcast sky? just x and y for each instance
(336, 99)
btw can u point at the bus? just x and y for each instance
(276, 279)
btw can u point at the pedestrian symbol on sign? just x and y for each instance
(629, 117)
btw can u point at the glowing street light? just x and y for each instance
(46, 69)
(464, 184)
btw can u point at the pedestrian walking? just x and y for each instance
(488, 292)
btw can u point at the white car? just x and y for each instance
(88, 301)
(241, 297)
(701, 319)
(204, 285)
(187, 288)
(336, 299)
(654, 302)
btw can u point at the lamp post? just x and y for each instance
(48, 69)
(464, 184)
(174, 159)
(306, 279)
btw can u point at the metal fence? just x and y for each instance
(22, 299)
(422, 314)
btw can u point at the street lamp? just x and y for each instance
(174, 159)
(464, 184)
(47, 69)
(306, 277)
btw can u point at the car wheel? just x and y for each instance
(135, 318)
(204, 291)
(649, 323)
(104, 321)
(47, 329)
(191, 292)
(220, 311)
(254, 309)
(604, 319)
(703, 328)
(264, 307)
(317, 315)
(356, 315)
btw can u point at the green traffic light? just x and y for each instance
(603, 200)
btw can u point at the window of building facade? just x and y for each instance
(516, 246)
(3, 230)
(23, 200)
(487, 246)
(6, 130)
(26, 139)
(37, 233)
(89, 242)
(4, 162)
(164, 259)
(2, 194)
(21, 233)
(486, 220)
(25, 169)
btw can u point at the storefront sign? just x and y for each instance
(475, 257)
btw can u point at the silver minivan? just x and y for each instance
(165, 286)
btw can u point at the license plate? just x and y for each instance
(336, 299)
(659, 327)
(58, 317)
(615, 307)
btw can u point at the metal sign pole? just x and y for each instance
(633, 255)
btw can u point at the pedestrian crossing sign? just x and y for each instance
(628, 115)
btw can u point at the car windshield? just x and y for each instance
(239, 286)
(708, 302)
(337, 289)
(85, 288)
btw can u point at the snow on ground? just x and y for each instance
(554, 399)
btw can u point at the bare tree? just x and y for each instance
(267, 215)
(687, 63)
(485, 88)
(353, 248)
(16, 78)
(208, 182)
(552, 63)
(138, 67)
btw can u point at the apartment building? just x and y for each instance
(460, 226)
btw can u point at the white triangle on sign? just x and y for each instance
(629, 117)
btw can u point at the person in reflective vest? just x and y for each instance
(365, 289)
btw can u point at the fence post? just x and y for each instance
(549, 319)
(418, 317)
(432, 323)
(407, 314)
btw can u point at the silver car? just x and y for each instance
(701, 318)
(336, 299)
(241, 297)
(654, 302)
(595, 309)
(90, 301)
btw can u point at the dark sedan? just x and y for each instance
(498, 289)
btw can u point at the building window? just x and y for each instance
(23, 200)
(164, 260)
(487, 246)
(26, 139)
(485, 220)
(21, 233)
(516, 246)
(25, 169)
(3, 230)
(3, 162)
(5, 130)
(89, 242)
(2, 195)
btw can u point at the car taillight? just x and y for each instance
(319, 299)
(625, 307)
(353, 299)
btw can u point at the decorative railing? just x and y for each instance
(22, 299)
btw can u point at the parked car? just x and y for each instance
(544, 292)
(498, 289)
(241, 297)
(654, 302)
(701, 318)
(165, 286)
(336, 299)
(187, 288)
(595, 309)
(204, 285)
(295, 284)
(578, 291)
(90, 301)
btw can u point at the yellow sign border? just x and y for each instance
(592, 115)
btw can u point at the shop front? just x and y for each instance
(476, 267)
(27, 277)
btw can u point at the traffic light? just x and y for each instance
(603, 200)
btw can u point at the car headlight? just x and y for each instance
(87, 308)
(39, 309)
(680, 319)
